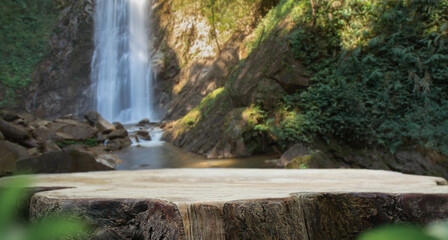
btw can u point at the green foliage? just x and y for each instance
(25, 28)
(397, 233)
(252, 114)
(225, 16)
(9, 202)
(268, 25)
(91, 142)
(407, 232)
(229, 14)
(49, 228)
(215, 99)
(212, 100)
(378, 71)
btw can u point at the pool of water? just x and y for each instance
(156, 154)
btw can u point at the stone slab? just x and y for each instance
(241, 203)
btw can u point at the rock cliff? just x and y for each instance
(217, 106)
(61, 81)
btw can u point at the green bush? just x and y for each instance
(88, 142)
(25, 30)
(225, 16)
(378, 71)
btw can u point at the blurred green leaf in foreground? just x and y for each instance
(438, 231)
(52, 227)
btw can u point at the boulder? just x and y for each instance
(118, 125)
(297, 150)
(22, 119)
(33, 152)
(44, 134)
(28, 118)
(96, 120)
(68, 116)
(13, 132)
(77, 146)
(20, 122)
(10, 153)
(2, 137)
(143, 122)
(68, 129)
(120, 133)
(117, 144)
(9, 115)
(65, 136)
(108, 160)
(29, 143)
(39, 123)
(414, 162)
(17, 134)
(92, 117)
(66, 121)
(144, 135)
(135, 138)
(101, 137)
(229, 148)
(50, 146)
(64, 161)
(315, 159)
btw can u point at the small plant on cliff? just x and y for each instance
(91, 142)
(12, 194)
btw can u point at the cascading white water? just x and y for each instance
(121, 66)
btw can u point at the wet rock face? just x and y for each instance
(61, 81)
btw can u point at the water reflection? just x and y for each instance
(157, 154)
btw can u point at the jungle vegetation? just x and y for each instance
(378, 73)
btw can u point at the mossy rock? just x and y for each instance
(316, 159)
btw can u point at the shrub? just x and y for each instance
(378, 73)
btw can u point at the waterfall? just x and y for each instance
(121, 66)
